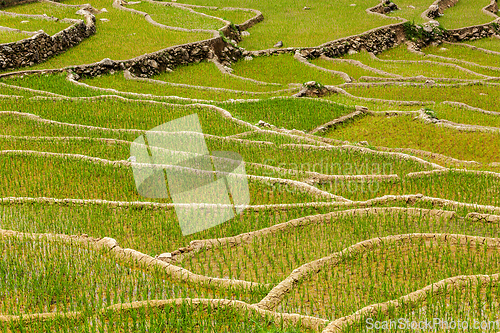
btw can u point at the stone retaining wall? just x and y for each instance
(40, 47)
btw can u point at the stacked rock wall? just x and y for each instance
(40, 47)
(169, 58)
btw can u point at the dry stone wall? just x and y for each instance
(40, 47)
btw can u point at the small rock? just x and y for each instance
(443, 49)
(134, 2)
(104, 10)
(352, 4)
(248, 58)
(25, 21)
(132, 159)
(104, 20)
(307, 8)
(364, 143)
(233, 42)
(107, 62)
(483, 94)
(163, 256)
(262, 123)
(411, 7)
(278, 44)
(228, 69)
(245, 33)
(351, 52)
(430, 82)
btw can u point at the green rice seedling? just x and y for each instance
(11, 36)
(151, 231)
(452, 310)
(353, 71)
(413, 69)
(411, 10)
(283, 69)
(324, 161)
(33, 24)
(475, 94)
(288, 21)
(403, 131)
(115, 113)
(384, 274)
(180, 317)
(401, 53)
(371, 105)
(464, 53)
(290, 113)
(464, 14)
(289, 249)
(118, 82)
(464, 116)
(110, 150)
(177, 17)
(237, 16)
(51, 276)
(135, 38)
(457, 186)
(490, 43)
(208, 75)
(57, 177)
(52, 83)
(41, 8)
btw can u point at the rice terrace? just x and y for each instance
(345, 156)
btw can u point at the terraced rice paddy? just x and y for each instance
(371, 166)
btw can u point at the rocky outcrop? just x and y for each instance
(384, 7)
(437, 8)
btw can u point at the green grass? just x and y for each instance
(465, 13)
(457, 186)
(287, 21)
(118, 82)
(289, 249)
(411, 14)
(464, 53)
(177, 17)
(208, 75)
(234, 16)
(401, 53)
(490, 43)
(50, 27)
(149, 231)
(406, 132)
(477, 95)
(116, 114)
(135, 38)
(385, 274)
(353, 71)
(11, 36)
(283, 69)
(464, 116)
(40, 8)
(412, 69)
(82, 279)
(290, 113)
